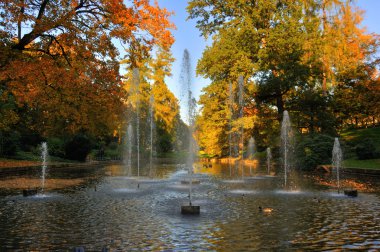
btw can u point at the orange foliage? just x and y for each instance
(64, 68)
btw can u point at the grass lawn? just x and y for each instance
(357, 134)
(29, 159)
(364, 164)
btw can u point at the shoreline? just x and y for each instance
(350, 170)
(9, 170)
(5, 170)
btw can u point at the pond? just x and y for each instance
(105, 209)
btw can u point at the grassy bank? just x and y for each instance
(22, 159)
(363, 164)
(359, 137)
(356, 135)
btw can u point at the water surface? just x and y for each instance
(108, 209)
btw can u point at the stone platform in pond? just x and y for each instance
(194, 182)
(29, 192)
(351, 193)
(190, 209)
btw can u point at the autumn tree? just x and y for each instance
(165, 104)
(292, 51)
(59, 60)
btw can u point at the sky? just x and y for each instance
(188, 37)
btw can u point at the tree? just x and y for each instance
(58, 58)
(255, 42)
(213, 123)
(290, 51)
(165, 104)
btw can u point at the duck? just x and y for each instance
(265, 209)
(315, 199)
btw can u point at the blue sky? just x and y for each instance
(188, 37)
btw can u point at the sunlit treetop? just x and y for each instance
(91, 23)
(61, 57)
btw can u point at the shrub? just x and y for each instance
(164, 143)
(29, 140)
(56, 147)
(78, 147)
(314, 150)
(113, 150)
(9, 143)
(366, 149)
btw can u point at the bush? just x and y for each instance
(164, 143)
(9, 143)
(29, 140)
(78, 147)
(314, 150)
(113, 150)
(366, 149)
(56, 147)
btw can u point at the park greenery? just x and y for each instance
(61, 81)
(64, 78)
(312, 58)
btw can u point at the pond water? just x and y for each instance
(106, 209)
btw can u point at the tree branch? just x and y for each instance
(42, 9)
(60, 46)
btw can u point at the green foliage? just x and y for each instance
(113, 150)
(164, 142)
(354, 136)
(313, 111)
(364, 164)
(313, 150)
(303, 56)
(366, 149)
(9, 143)
(29, 140)
(56, 147)
(78, 147)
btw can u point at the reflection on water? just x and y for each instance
(108, 209)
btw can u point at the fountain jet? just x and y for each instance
(251, 153)
(337, 160)
(129, 146)
(44, 156)
(269, 158)
(190, 104)
(286, 145)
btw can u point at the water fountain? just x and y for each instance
(241, 114)
(251, 153)
(136, 85)
(269, 158)
(230, 104)
(337, 157)
(286, 145)
(44, 158)
(151, 119)
(337, 160)
(190, 103)
(129, 145)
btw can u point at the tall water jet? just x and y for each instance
(230, 104)
(286, 145)
(190, 104)
(337, 160)
(151, 118)
(251, 152)
(129, 146)
(269, 158)
(136, 86)
(44, 157)
(241, 114)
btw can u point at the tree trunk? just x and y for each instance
(280, 107)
